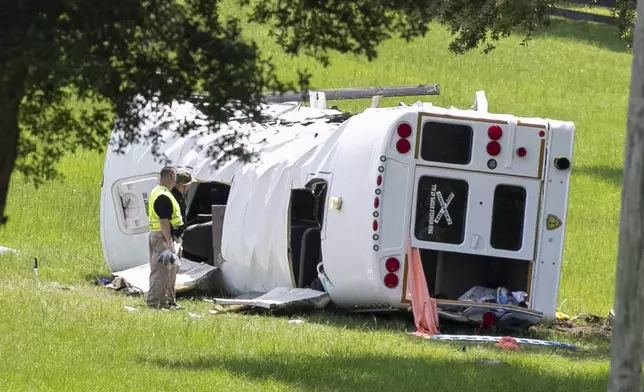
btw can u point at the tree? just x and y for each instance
(70, 68)
(627, 344)
(624, 13)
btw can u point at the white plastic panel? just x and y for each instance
(446, 209)
(515, 135)
(130, 197)
(553, 220)
(394, 206)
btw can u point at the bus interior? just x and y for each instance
(306, 211)
(198, 237)
(450, 274)
(306, 216)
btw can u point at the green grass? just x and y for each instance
(82, 339)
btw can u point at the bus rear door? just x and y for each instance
(475, 208)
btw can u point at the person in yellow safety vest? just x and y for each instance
(164, 213)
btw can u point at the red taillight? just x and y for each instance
(542, 133)
(493, 148)
(404, 130)
(495, 132)
(488, 319)
(521, 151)
(391, 280)
(403, 146)
(379, 180)
(392, 264)
(375, 225)
(376, 203)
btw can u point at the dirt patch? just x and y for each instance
(587, 325)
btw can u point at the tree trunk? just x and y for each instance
(627, 336)
(9, 133)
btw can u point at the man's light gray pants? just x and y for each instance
(164, 266)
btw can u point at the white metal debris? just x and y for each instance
(4, 249)
(282, 297)
(189, 276)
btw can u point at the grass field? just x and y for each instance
(63, 333)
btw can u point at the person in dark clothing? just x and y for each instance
(184, 179)
(178, 195)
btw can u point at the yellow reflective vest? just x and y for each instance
(155, 222)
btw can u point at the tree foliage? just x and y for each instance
(315, 26)
(72, 69)
(624, 12)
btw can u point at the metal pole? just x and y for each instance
(357, 93)
(349, 93)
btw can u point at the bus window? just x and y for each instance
(441, 209)
(508, 213)
(446, 143)
(202, 196)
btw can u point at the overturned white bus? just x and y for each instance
(334, 198)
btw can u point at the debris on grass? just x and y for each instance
(296, 321)
(562, 316)
(282, 298)
(129, 308)
(190, 275)
(586, 325)
(4, 249)
(509, 343)
(194, 315)
(217, 309)
(490, 339)
(121, 285)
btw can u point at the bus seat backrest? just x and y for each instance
(297, 233)
(197, 240)
(310, 256)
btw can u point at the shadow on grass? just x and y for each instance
(354, 371)
(597, 34)
(592, 343)
(610, 175)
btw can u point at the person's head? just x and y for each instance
(184, 179)
(168, 177)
